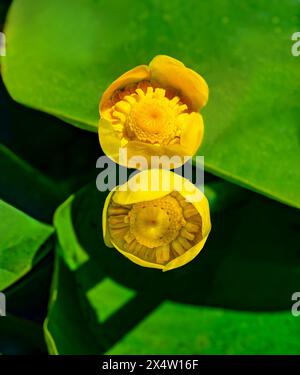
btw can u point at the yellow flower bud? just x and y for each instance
(157, 219)
(153, 111)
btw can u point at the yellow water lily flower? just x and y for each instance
(157, 219)
(153, 110)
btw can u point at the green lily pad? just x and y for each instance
(54, 151)
(28, 297)
(23, 244)
(26, 188)
(234, 298)
(65, 315)
(64, 58)
(40, 169)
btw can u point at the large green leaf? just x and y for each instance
(28, 189)
(28, 297)
(40, 169)
(250, 264)
(64, 328)
(69, 52)
(23, 244)
(55, 150)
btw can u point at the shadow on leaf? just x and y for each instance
(250, 262)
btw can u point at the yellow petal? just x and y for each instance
(138, 260)
(171, 73)
(111, 145)
(192, 130)
(184, 242)
(200, 202)
(177, 247)
(152, 184)
(109, 140)
(185, 234)
(145, 186)
(177, 152)
(135, 75)
(193, 228)
(163, 253)
(186, 257)
(105, 230)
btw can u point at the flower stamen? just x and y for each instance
(149, 116)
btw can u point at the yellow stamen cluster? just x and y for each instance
(156, 231)
(148, 115)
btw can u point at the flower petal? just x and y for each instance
(137, 260)
(176, 154)
(192, 194)
(109, 140)
(192, 131)
(138, 154)
(186, 257)
(145, 186)
(202, 206)
(171, 73)
(105, 230)
(137, 74)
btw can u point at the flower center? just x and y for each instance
(148, 116)
(157, 222)
(152, 120)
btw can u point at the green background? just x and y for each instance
(235, 297)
